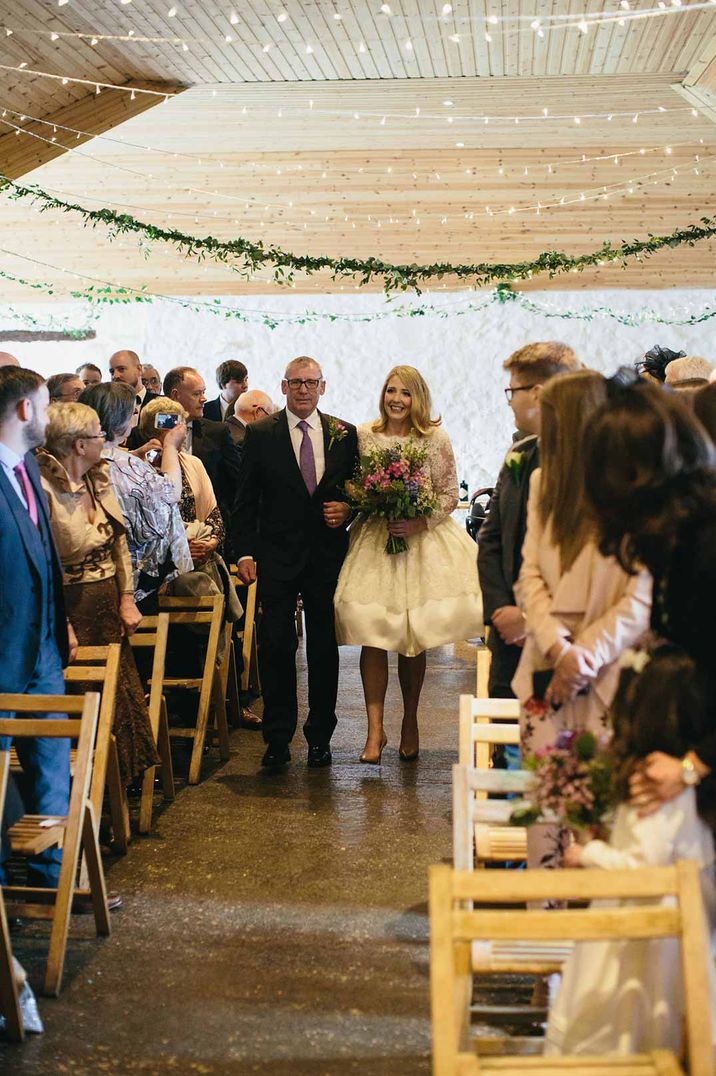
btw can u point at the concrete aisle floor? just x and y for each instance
(270, 925)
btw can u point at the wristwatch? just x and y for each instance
(689, 773)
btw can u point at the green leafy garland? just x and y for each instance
(246, 258)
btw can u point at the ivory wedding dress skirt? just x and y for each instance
(428, 596)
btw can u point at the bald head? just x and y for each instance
(6, 359)
(125, 366)
(253, 405)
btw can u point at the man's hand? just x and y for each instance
(335, 513)
(247, 571)
(405, 528)
(509, 623)
(153, 445)
(201, 549)
(72, 642)
(129, 614)
(658, 779)
(574, 671)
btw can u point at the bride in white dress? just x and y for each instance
(407, 602)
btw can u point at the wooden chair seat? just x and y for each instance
(31, 834)
(518, 958)
(656, 1063)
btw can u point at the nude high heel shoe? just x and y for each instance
(374, 760)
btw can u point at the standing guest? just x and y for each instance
(148, 497)
(704, 404)
(407, 602)
(209, 441)
(151, 379)
(499, 556)
(651, 483)
(125, 366)
(64, 388)
(581, 609)
(687, 372)
(99, 587)
(232, 378)
(250, 407)
(290, 525)
(36, 639)
(89, 374)
(656, 359)
(6, 359)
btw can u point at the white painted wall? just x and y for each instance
(461, 357)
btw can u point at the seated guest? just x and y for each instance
(208, 441)
(89, 374)
(89, 531)
(233, 379)
(151, 379)
(250, 407)
(690, 371)
(64, 388)
(148, 497)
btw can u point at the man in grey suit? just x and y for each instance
(499, 555)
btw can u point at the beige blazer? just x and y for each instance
(595, 604)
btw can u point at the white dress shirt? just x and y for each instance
(315, 433)
(9, 461)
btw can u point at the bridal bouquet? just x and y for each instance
(573, 783)
(393, 483)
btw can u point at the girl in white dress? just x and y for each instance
(407, 602)
(628, 997)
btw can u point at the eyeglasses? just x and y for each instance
(309, 382)
(509, 393)
(261, 410)
(93, 436)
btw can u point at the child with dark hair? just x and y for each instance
(622, 997)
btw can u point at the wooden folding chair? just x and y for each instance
(476, 711)
(482, 670)
(247, 635)
(495, 841)
(76, 834)
(453, 929)
(9, 999)
(207, 611)
(153, 632)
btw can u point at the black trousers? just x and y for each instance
(278, 642)
(503, 666)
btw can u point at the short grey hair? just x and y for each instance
(302, 360)
(55, 383)
(67, 423)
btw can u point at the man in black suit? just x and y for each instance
(36, 640)
(290, 525)
(250, 407)
(209, 441)
(232, 378)
(125, 366)
(500, 540)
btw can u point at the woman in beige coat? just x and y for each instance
(581, 609)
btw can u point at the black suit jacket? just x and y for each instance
(499, 556)
(212, 444)
(212, 410)
(26, 554)
(135, 438)
(276, 521)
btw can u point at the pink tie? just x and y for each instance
(20, 472)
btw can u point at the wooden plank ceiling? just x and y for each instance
(329, 135)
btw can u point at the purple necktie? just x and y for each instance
(306, 459)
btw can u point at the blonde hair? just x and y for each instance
(421, 402)
(154, 407)
(567, 404)
(67, 423)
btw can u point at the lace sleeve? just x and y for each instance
(443, 477)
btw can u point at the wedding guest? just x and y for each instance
(89, 530)
(89, 374)
(151, 379)
(250, 407)
(64, 388)
(37, 640)
(6, 359)
(232, 378)
(499, 555)
(651, 483)
(626, 997)
(406, 602)
(581, 609)
(289, 524)
(689, 371)
(656, 359)
(148, 495)
(704, 404)
(125, 366)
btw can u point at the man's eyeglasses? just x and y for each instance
(509, 393)
(309, 382)
(261, 411)
(93, 436)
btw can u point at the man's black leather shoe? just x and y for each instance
(275, 757)
(319, 756)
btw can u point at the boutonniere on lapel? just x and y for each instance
(336, 431)
(514, 462)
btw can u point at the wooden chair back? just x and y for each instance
(482, 669)
(153, 633)
(9, 1000)
(469, 811)
(207, 611)
(454, 927)
(478, 711)
(76, 834)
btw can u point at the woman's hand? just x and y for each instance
(201, 549)
(176, 437)
(153, 445)
(573, 672)
(405, 528)
(129, 614)
(573, 855)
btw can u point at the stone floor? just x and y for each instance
(270, 925)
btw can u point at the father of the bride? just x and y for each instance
(289, 525)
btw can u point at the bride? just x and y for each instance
(406, 602)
